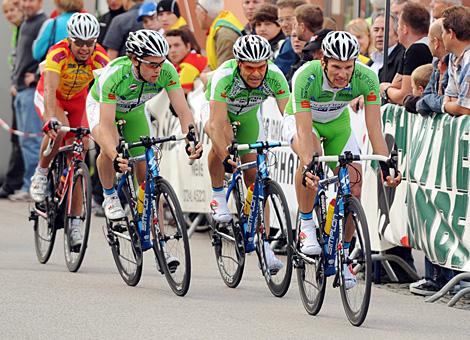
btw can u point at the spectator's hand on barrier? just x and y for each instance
(383, 86)
(13, 90)
(50, 127)
(229, 165)
(390, 173)
(29, 78)
(121, 164)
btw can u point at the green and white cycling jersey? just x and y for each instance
(311, 92)
(244, 103)
(117, 84)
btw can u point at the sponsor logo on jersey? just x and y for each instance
(171, 82)
(111, 96)
(133, 87)
(223, 94)
(281, 91)
(371, 97)
(305, 104)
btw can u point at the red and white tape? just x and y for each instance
(7, 127)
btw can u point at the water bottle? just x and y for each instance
(330, 244)
(248, 199)
(140, 198)
(63, 177)
(329, 216)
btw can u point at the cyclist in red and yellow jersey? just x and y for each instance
(61, 93)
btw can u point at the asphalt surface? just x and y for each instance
(48, 302)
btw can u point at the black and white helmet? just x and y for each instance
(83, 26)
(340, 45)
(145, 43)
(252, 48)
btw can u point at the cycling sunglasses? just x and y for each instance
(151, 63)
(81, 43)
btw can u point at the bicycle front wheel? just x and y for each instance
(124, 240)
(311, 275)
(170, 238)
(44, 216)
(228, 243)
(81, 200)
(278, 269)
(356, 299)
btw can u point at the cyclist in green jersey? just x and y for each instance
(236, 92)
(318, 108)
(120, 92)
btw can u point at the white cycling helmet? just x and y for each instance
(83, 26)
(340, 45)
(252, 48)
(145, 43)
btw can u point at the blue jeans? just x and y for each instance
(27, 120)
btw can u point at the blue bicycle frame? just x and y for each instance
(333, 241)
(256, 209)
(143, 224)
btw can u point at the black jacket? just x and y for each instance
(395, 60)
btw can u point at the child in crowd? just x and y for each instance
(419, 80)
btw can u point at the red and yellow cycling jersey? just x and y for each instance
(74, 77)
(190, 68)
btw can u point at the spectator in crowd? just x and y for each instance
(360, 29)
(307, 51)
(170, 19)
(55, 30)
(396, 50)
(266, 25)
(396, 7)
(456, 38)
(24, 82)
(115, 39)
(329, 23)
(419, 80)
(149, 17)
(309, 21)
(433, 96)
(413, 26)
(115, 7)
(223, 29)
(249, 8)
(439, 6)
(286, 18)
(14, 176)
(187, 62)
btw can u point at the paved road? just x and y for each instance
(46, 301)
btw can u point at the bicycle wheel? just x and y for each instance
(277, 216)
(44, 215)
(228, 243)
(311, 275)
(81, 187)
(124, 240)
(170, 238)
(356, 300)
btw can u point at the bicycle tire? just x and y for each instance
(316, 286)
(74, 257)
(360, 252)
(229, 246)
(45, 228)
(124, 240)
(279, 282)
(171, 239)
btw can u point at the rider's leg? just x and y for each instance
(306, 200)
(217, 172)
(39, 180)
